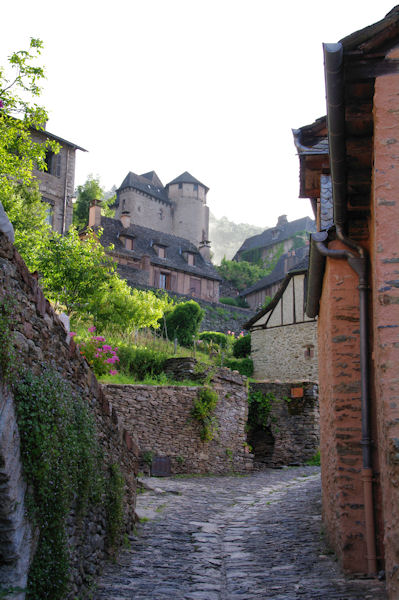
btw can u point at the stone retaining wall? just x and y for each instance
(292, 436)
(159, 418)
(40, 338)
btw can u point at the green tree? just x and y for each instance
(19, 153)
(241, 274)
(26, 211)
(86, 193)
(74, 271)
(183, 322)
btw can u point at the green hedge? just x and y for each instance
(216, 337)
(244, 366)
(242, 346)
(140, 362)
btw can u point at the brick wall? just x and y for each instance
(40, 338)
(340, 414)
(159, 418)
(385, 306)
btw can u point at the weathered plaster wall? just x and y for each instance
(340, 420)
(160, 420)
(293, 436)
(145, 210)
(287, 353)
(41, 338)
(385, 304)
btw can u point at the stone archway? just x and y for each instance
(262, 442)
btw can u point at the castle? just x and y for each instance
(179, 208)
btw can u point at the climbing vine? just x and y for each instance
(7, 350)
(62, 461)
(202, 411)
(259, 409)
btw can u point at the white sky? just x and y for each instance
(212, 87)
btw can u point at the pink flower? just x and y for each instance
(112, 372)
(99, 338)
(91, 329)
(72, 333)
(107, 348)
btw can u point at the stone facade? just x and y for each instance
(283, 337)
(286, 353)
(40, 338)
(57, 184)
(179, 208)
(159, 418)
(292, 436)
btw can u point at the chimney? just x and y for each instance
(282, 220)
(205, 250)
(125, 219)
(95, 214)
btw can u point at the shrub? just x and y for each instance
(183, 322)
(237, 301)
(242, 346)
(141, 362)
(216, 337)
(244, 366)
(100, 356)
(203, 410)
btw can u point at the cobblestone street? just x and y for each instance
(232, 538)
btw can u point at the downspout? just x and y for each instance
(65, 194)
(359, 264)
(358, 261)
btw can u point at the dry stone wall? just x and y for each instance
(292, 436)
(40, 338)
(159, 418)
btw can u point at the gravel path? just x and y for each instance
(232, 538)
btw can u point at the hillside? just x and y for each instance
(226, 236)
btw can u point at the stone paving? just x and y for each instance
(232, 538)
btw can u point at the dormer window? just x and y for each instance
(275, 233)
(127, 242)
(160, 250)
(190, 258)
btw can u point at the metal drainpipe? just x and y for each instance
(360, 265)
(65, 193)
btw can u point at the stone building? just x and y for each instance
(270, 245)
(57, 184)
(353, 289)
(283, 337)
(150, 258)
(178, 209)
(268, 286)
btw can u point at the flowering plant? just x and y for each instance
(100, 356)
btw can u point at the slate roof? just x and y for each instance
(279, 272)
(285, 231)
(149, 183)
(312, 139)
(186, 177)
(301, 267)
(144, 241)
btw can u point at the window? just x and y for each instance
(309, 351)
(190, 258)
(180, 186)
(161, 252)
(164, 281)
(195, 187)
(53, 163)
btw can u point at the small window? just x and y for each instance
(128, 243)
(190, 258)
(161, 252)
(53, 163)
(309, 351)
(195, 186)
(180, 186)
(164, 281)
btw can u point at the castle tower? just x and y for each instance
(190, 212)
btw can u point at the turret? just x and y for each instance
(190, 212)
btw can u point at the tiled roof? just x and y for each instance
(147, 183)
(279, 271)
(284, 232)
(186, 177)
(144, 241)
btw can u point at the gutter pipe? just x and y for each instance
(358, 261)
